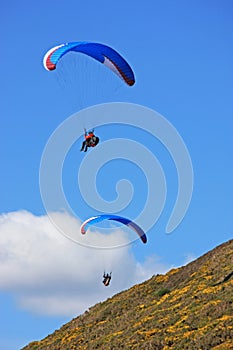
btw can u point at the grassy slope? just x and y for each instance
(188, 308)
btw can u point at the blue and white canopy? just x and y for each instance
(102, 53)
(95, 219)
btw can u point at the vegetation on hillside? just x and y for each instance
(187, 308)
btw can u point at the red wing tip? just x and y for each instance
(51, 66)
(144, 239)
(131, 82)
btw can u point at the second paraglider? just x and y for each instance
(95, 219)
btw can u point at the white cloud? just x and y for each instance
(50, 274)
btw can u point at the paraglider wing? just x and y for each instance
(48, 63)
(102, 53)
(95, 219)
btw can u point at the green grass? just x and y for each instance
(188, 308)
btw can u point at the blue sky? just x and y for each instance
(181, 53)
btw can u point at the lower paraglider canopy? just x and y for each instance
(95, 219)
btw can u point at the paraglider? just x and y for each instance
(107, 278)
(102, 53)
(91, 140)
(118, 65)
(95, 219)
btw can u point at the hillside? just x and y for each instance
(188, 308)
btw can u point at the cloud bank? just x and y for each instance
(49, 274)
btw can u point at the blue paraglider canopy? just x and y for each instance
(102, 53)
(95, 219)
